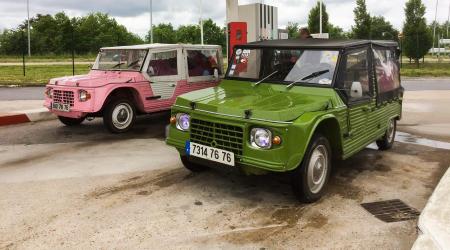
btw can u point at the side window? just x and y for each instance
(202, 62)
(387, 70)
(163, 64)
(357, 70)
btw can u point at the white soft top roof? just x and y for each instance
(164, 46)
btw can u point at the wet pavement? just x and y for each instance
(82, 187)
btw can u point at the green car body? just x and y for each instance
(223, 116)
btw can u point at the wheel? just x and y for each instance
(192, 166)
(388, 138)
(71, 121)
(310, 178)
(119, 115)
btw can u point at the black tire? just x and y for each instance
(192, 166)
(388, 138)
(119, 115)
(71, 121)
(307, 191)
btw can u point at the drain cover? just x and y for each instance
(391, 210)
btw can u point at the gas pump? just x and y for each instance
(237, 35)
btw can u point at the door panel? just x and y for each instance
(163, 72)
(356, 69)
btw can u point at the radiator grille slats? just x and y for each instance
(63, 96)
(222, 136)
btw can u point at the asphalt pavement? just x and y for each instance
(410, 84)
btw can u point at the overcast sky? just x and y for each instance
(134, 13)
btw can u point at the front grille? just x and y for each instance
(63, 96)
(222, 136)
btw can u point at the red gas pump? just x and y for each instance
(237, 34)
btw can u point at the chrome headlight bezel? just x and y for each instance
(261, 138)
(49, 92)
(183, 121)
(83, 95)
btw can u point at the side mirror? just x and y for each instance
(216, 74)
(356, 90)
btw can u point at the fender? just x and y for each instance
(309, 127)
(134, 88)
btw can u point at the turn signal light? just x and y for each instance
(276, 140)
(173, 120)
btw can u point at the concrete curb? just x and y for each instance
(23, 116)
(434, 222)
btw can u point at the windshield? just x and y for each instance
(285, 65)
(129, 60)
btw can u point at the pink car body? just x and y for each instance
(165, 72)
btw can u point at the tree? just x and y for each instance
(382, 29)
(362, 28)
(292, 29)
(213, 34)
(314, 19)
(188, 34)
(336, 32)
(163, 33)
(417, 36)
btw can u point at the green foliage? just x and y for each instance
(212, 33)
(292, 29)
(314, 19)
(53, 35)
(163, 33)
(417, 36)
(336, 32)
(362, 28)
(382, 29)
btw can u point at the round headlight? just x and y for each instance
(183, 121)
(84, 95)
(261, 138)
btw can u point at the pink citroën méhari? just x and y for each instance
(130, 80)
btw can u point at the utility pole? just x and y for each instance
(448, 19)
(201, 21)
(434, 28)
(320, 2)
(28, 27)
(151, 21)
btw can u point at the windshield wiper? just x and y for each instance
(308, 77)
(117, 65)
(265, 78)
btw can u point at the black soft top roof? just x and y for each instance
(317, 43)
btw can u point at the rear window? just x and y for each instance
(387, 70)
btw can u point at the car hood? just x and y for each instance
(91, 80)
(267, 101)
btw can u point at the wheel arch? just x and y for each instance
(125, 92)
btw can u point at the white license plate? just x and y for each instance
(61, 107)
(210, 153)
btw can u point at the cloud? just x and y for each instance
(134, 14)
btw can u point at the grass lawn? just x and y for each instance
(427, 69)
(48, 58)
(37, 75)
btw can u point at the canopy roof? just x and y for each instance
(317, 43)
(163, 46)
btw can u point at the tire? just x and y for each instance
(307, 187)
(119, 116)
(192, 166)
(388, 138)
(71, 121)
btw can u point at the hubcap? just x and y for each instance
(122, 115)
(390, 131)
(317, 169)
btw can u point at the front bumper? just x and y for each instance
(70, 95)
(279, 158)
